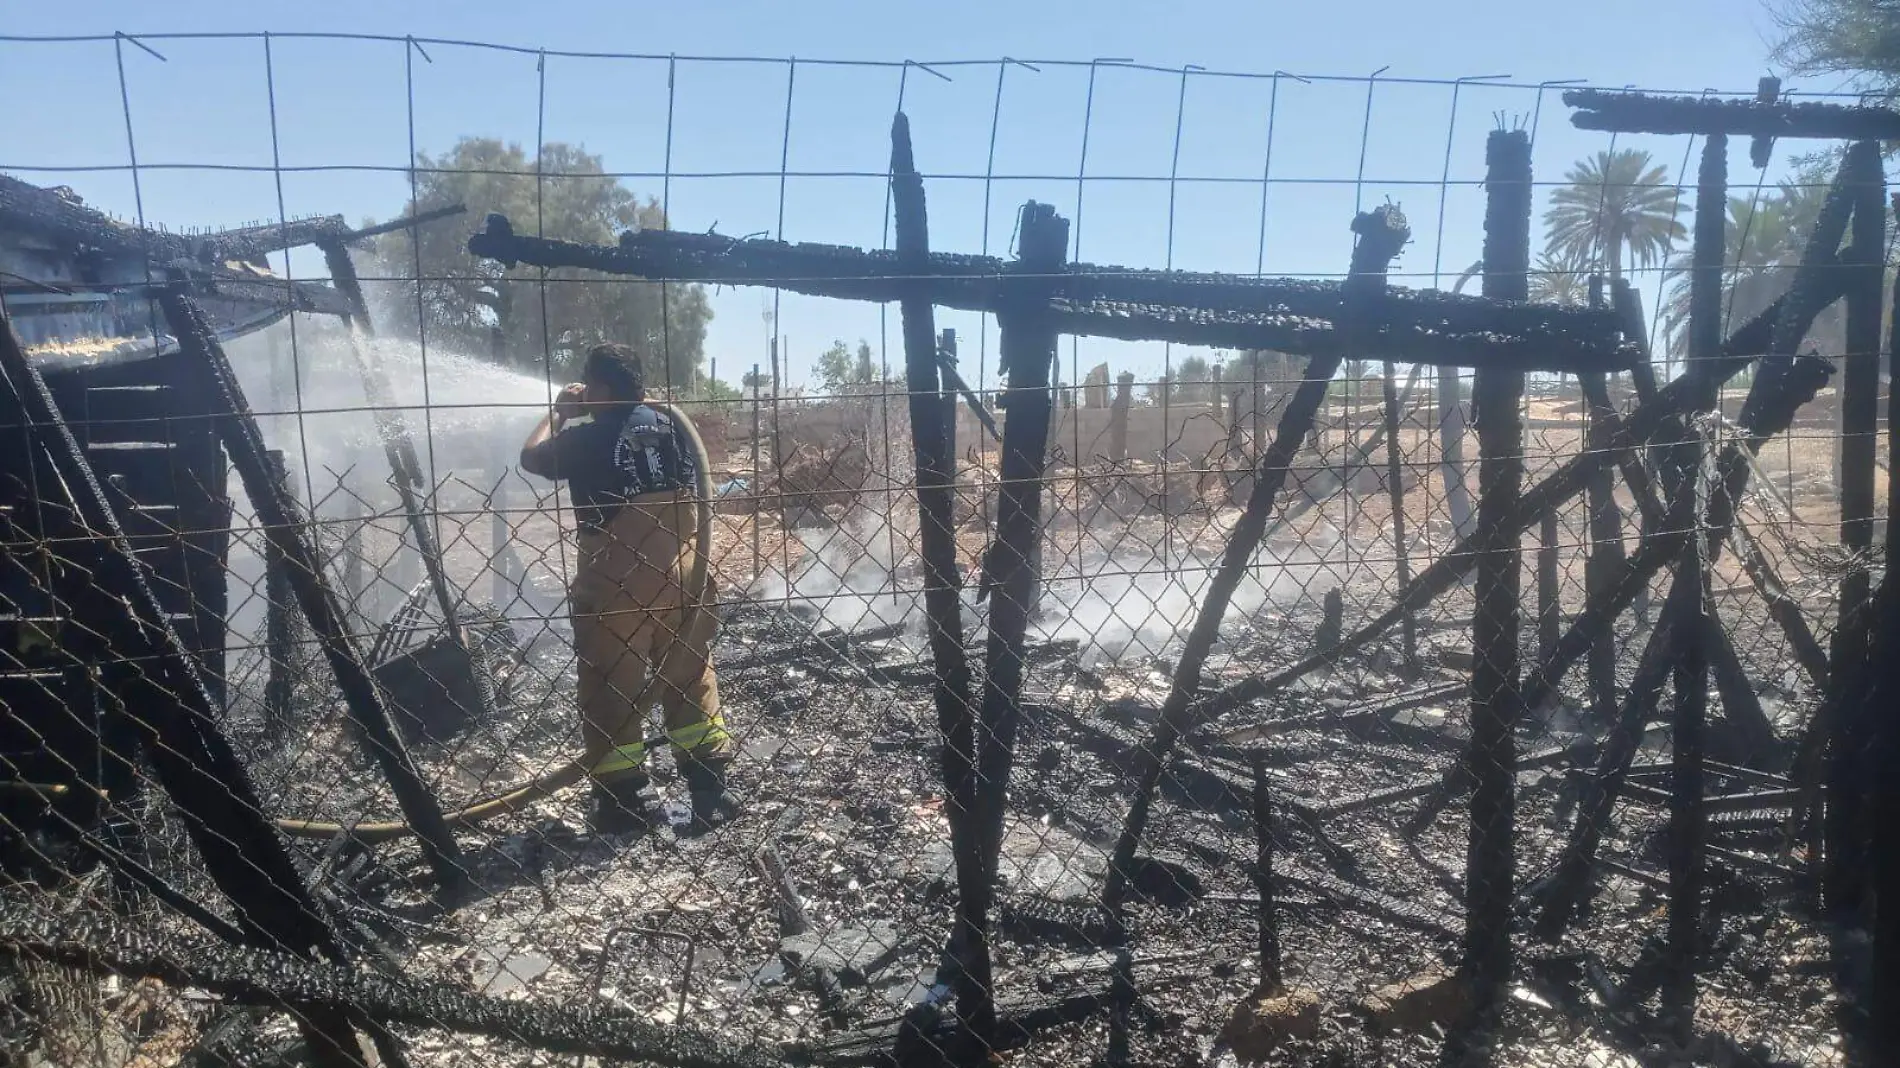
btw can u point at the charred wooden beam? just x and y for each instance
(1382, 233)
(1270, 974)
(278, 622)
(1286, 315)
(1026, 351)
(306, 989)
(407, 222)
(1687, 745)
(1549, 591)
(1761, 147)
(933, 431)
(238, 430)
(47, 212)
(1750, 738)
(191, 756)
(1849, 729)
(1782, 607)
(1157, 321)
(1395, 488)
(1496, 704)
(1606, 557)
(1884, 985)
(1627, 112)
(1687, 810)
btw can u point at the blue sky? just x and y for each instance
(343, 129)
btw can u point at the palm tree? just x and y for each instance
(1560, 277)
(1765, 238)
(1614, 201)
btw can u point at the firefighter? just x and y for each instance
(632, 476)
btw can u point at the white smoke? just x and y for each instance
(1114, 604)
(848, 576)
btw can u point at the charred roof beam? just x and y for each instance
(1288, 315)
(1759, 117)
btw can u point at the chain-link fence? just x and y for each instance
(1429, 675)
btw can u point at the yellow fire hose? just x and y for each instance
(698, 586)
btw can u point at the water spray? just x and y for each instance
(698, 586)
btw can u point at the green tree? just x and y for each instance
(1858, 38)
(463, 299)
(1613, 203)
(717, 389)
(754, 381)
(840, 368)
(1194, 378)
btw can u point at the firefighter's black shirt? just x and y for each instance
(614, 458)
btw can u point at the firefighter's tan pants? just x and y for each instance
(628, 602)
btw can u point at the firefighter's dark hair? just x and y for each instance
(618, 368)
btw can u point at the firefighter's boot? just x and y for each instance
(624, 804)
(713, 803)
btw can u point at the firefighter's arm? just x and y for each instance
(540, 454)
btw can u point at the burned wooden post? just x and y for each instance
(1270, 974)
(1846, 827)
(1026, 351)
(933, 431)
(1605, 558)
(1451, 451)
(1687, 815)
(1549, 593)
(1884, 804)
(1696, 621)
(238, 430)
(1395, 489)
(278, 682)
(1382, 233)
(1332, 622)
(1118, 416)
(1495, 702)
(191, 756)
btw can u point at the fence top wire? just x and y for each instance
(932, 65)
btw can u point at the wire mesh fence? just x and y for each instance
(1428, 675)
